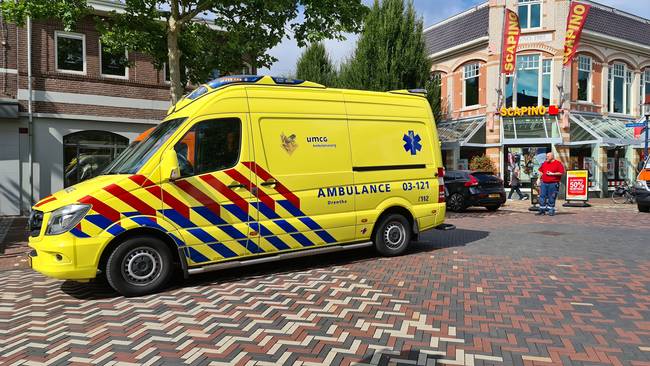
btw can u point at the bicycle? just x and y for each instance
(623, 194)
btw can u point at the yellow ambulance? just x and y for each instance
(245, 170)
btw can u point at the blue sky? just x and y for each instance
(432, 11)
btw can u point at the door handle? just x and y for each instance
(234, 185)
(270, 182)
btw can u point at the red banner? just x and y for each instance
(575, 22)
(511, 33)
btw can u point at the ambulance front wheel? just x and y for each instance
(140, 265)
(393, 235)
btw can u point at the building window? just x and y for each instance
(508, 94)
(87, 153)
(166, 76)
(530, 14)
(628, 94)
(470, 84)
(70, 49)
(546, 82)
(113, 64)
(532, 82)
(619, 87)
(645, 86)
(584, 78)
(528, 80)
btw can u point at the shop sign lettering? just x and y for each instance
(529, 111)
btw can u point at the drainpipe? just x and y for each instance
(20, 158)
(30, 127)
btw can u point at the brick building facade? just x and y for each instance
(85, 106)
(605, 87)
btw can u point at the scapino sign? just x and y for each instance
(510, 41)
(575, 22)
(529, 111)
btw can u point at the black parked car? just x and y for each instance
(465, 188)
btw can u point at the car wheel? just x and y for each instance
(643, 208)
(140, 265)
(493, 207)
(456, 202)
(393, 235)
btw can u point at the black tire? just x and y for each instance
(618, 198)
(456, 202)
(644, 208)
(393, 235)
(493, 207)
(140, 265)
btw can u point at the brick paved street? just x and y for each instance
(501, 289)
(13, 243)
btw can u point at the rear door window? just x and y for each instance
(485, 177)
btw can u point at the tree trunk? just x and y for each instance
(176, 89)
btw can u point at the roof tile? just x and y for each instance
(458, 31)
(617, 25)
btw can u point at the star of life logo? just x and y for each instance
(412, 142)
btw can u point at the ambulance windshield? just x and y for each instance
(136, 155)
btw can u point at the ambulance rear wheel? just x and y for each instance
(138, 266)
(393, 235)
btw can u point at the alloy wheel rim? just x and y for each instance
(455, 202)
(141, 266)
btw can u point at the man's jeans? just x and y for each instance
(547, 195)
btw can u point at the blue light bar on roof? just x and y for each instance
(287, 81)
(225, 80)
(418, 91)
(197, 92)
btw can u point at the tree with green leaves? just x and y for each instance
(434, 94)
(390, 53)
(315, 65)
(196, 36)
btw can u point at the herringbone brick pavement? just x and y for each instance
(507, 288)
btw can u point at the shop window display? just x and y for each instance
(616, 167)
(580, 159)
(528, 158)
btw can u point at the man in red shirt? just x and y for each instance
(552, 171)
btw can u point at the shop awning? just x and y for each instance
(460, 132)
(529, 130)
(605, 130)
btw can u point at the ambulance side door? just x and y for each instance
(209, 202)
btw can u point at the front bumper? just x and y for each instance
(66, 257)
(642, 196)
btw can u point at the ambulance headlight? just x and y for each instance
(66, 218)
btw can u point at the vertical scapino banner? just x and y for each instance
(575, 22)
(511, 33)
(577, 182)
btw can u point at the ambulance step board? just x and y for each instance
(278, 257)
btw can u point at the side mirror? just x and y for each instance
(169, 166)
